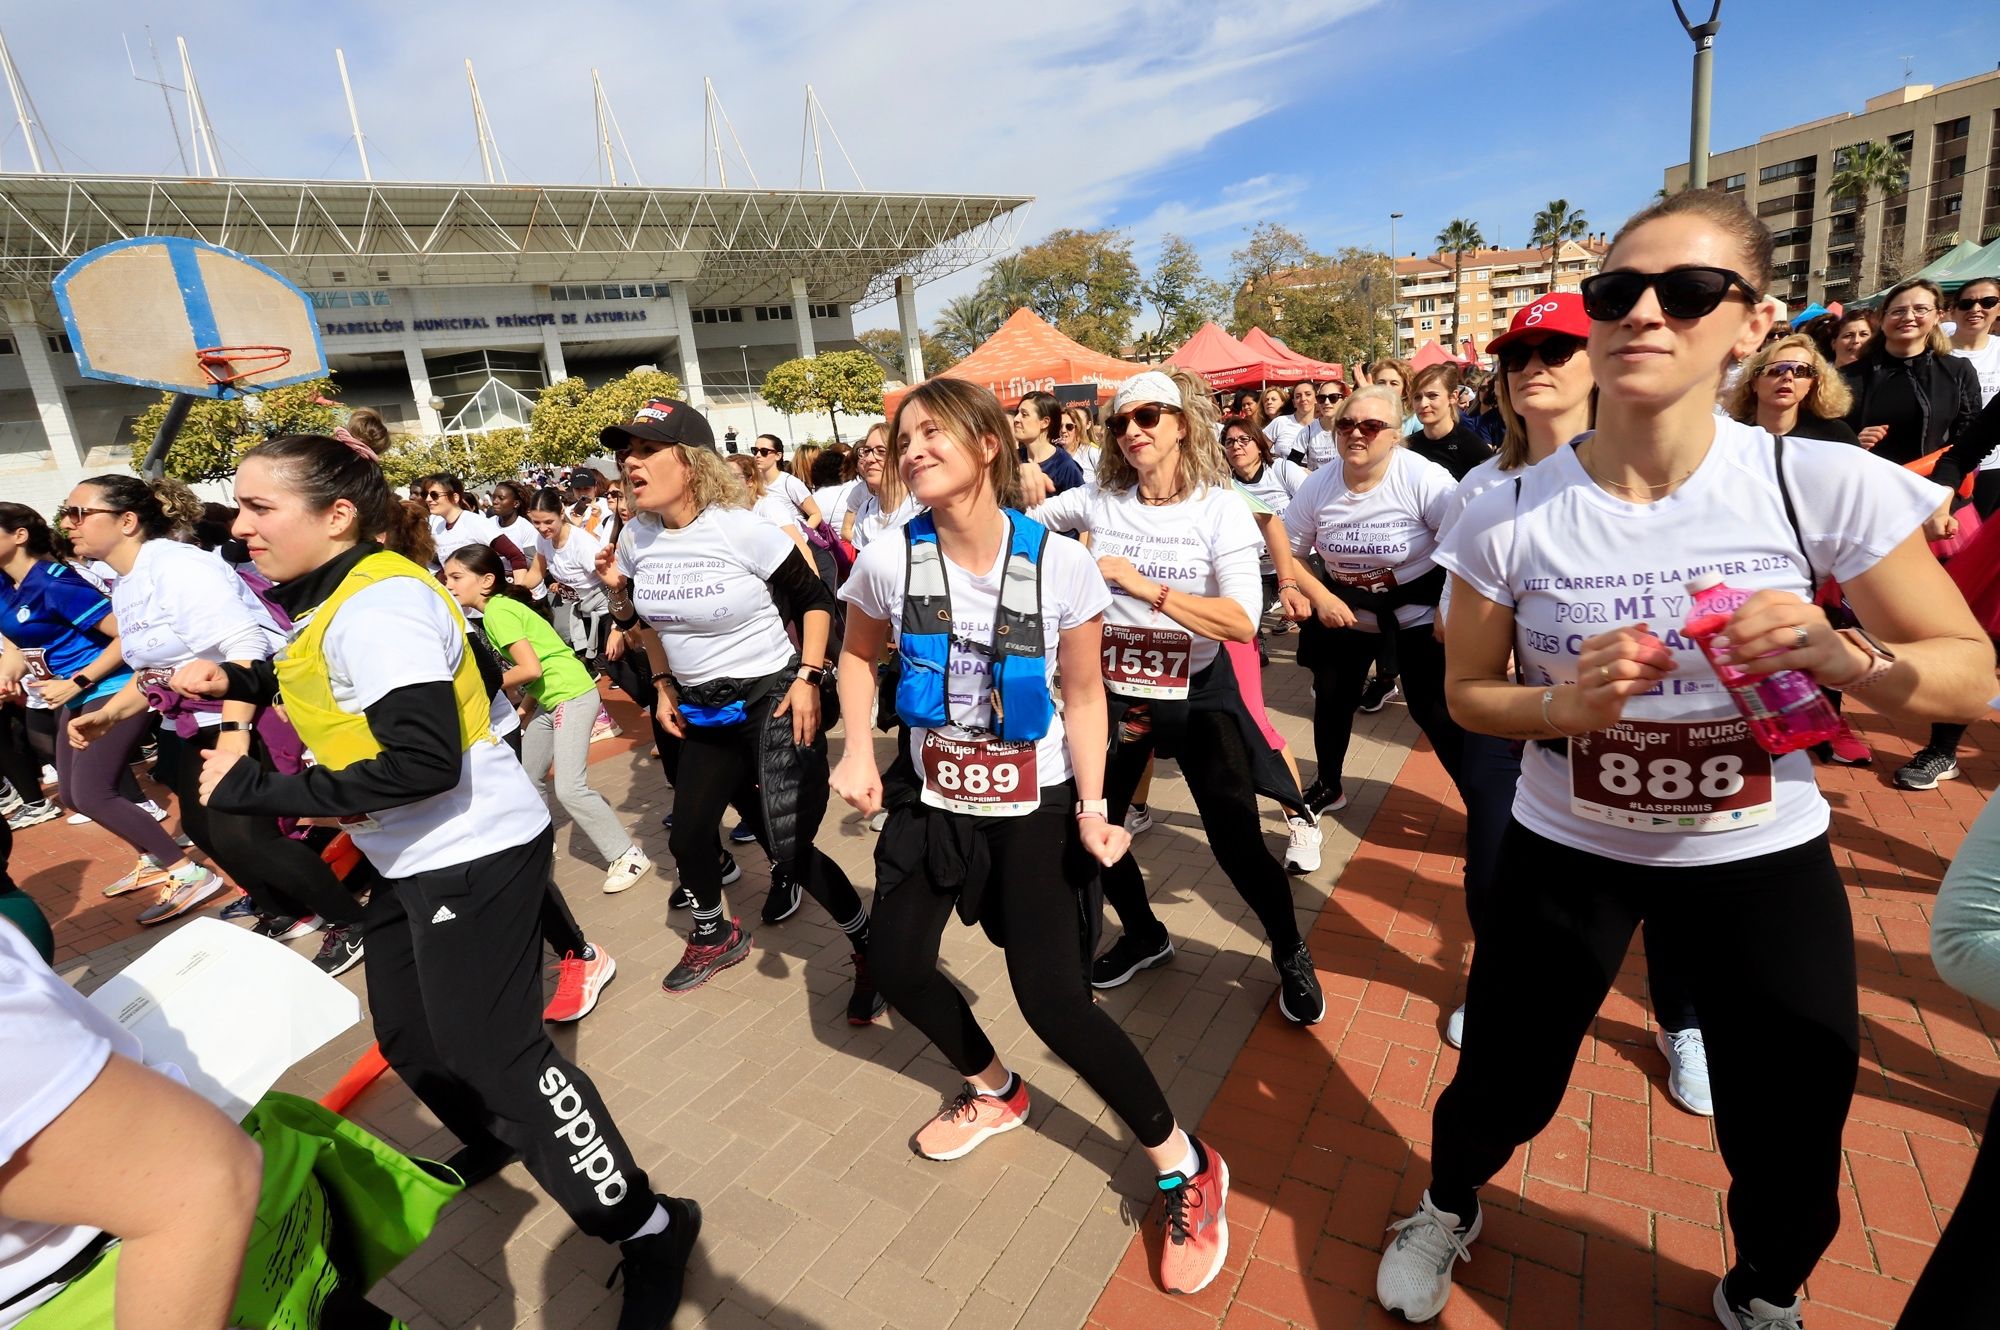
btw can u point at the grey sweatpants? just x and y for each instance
(564, 735)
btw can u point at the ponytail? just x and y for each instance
(481, 561)
(165, 508)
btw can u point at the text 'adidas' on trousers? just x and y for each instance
(455, 983)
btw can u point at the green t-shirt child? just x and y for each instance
(563, 676)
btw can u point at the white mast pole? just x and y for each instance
(360, 143)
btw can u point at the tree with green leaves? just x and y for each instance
(218, 432)
(1863, 171)
(1459, 238)
(1335, 308)
(1182, 295)
(832, 381)
(963, 323)
(886, 345)
(570, 414)
(1008, 284)
(1271, 250)
(1555, 226)
(476, 459)
(1086, 284)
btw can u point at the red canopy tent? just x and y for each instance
(1028, 355)
(1227, 363)
(1433, 353)
(1301, 367)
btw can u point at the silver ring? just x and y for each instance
(1801, 637)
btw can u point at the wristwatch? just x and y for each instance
(237, 726)
(812, 674)
(1880, 660)
(1094, 808)
(83, 681)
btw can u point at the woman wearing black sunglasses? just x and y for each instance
(1642, 796)
(1972, 341)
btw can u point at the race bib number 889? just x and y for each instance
(1650, 776)
(983, 777)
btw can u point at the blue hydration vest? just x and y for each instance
(1022, 707)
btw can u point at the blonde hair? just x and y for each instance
(1374, 392)
(753, 479)
(803, 458)
(1829, 399)
(1080, 423)
(968, 415)
(1202, 462)
(712, 482)
(1935, 341)
(890, 492)
(1403, 372)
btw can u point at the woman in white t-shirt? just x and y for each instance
(881, 504)
(1178, 548)
(1372, 517)
(454, 525)
(723, 589)
(380, 681)
(767, 453)
(1972, 339)
(771, 505)
(510, 515)
(94, 1143)
(567, 556)
(998, 807)
(1642, 795)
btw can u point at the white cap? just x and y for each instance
(1152, 386)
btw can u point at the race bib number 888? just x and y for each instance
(1676, 778)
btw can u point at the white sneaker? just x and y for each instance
(1454, 1027)
(48, 774)
(1757, 1314)
(1302, 854)
(1138, 818)
(152, 810)
(77, 820)
(10, 799)
(1415, 1275)
(627, 869)
(1687, 1071)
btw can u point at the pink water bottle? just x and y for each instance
(1786, 711)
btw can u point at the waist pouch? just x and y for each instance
(721, 702)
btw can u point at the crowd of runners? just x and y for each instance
(1622, 586)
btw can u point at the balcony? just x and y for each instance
(1427, 289)
(1536, 277)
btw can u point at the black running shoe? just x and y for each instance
(1377, 693)
(1926, 767)
(781, 902)
(1299, 996)
(340, 950)
(655, 1267)
(731, 870)
(1128, 956)
(682, 899)
(702, 961)
(864, 1004)
(1320, 800)
(740, 834)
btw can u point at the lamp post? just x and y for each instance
(744, 351)
(1703, 37)
(1395, 294)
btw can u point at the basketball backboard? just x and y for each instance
(187, 317)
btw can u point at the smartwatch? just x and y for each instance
(1100, 808)
(83, 681)
(237, 726)
(812, 674)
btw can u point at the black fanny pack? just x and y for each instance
(728, 701)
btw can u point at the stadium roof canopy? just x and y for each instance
(732, 246)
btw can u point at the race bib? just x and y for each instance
(38, 663)
(1651, 776)
(982, 777)
(1147, 662)
(1366, 579)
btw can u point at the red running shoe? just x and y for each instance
(1849, 749)
(578, 982)
(1197, 1227)
(968, 1118)
(702, 962)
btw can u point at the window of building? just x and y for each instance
(1951, 206)
(718, 316)
(1429, 324)
(6, 346)
(829, 311)
(1784, 170)
(1954, 129)
(59, 343)
(1428, 305)
(1952, 167)
(773, 313)
(1734, 182)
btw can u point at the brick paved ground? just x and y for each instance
(755, 1095)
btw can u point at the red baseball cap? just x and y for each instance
(1561, 312)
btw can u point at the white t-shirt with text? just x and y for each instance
(1573, 561)
(574, 564)
(1390, 530)
(704, 589)
(1986, 363)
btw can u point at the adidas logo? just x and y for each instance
(444, 915)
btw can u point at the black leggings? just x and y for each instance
(455, 984)
(718, 767)
(283, 876)
(1343, 673)
(1768, 947)
(1217, 767)
(1492, 767)
(19, 766)
(1956, 1287)
(1039, 872)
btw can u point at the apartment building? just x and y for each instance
(1493, 283)
(1835, 249)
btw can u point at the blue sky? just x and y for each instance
(1149, 115)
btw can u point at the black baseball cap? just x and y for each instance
(661, 420)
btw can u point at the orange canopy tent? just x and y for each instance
(1028, 355)
(1227, 363)
(1301, 367)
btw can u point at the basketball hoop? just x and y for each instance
(228, 366)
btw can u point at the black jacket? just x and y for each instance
(1947, 392)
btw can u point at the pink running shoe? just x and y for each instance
(968, 1118)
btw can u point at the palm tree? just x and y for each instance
(1869, 167)
(1554, 225)
(1458, 239)
(966, 321)
(1009, 284)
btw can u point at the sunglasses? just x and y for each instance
(1684, 293)
(437, 494)
(1146, 417)
(1789, 369)
(764, 452)
(1333, 397)
(1978, 302)
(1367, 429)
(1556, 350)
(71, 514)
